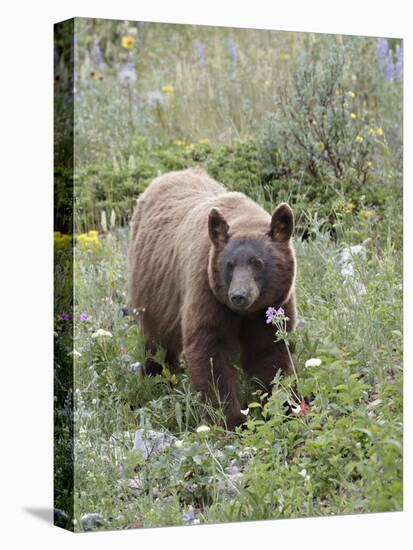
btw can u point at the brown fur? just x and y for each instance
(175, 275)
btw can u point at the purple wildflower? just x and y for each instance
(64, 316)
(398, 66)
(392, 70)
(233, 50)
(156, 98)
(389, 71)
(84, 316)
(272, 313)
(200, 50)
(127, 74)
(97, 56)
(383, 51)
(189, 517)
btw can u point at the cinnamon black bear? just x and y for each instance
(204, 265)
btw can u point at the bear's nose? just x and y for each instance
(239, 297)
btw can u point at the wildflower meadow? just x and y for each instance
(314, 120)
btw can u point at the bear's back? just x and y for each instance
(169, 225)
(182, 189)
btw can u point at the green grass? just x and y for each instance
(350, 443)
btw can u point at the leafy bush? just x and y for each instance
(318, 128)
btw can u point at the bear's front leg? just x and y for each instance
(210, 347)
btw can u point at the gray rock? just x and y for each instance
(228, 486)
(189, 517)
(136, 368)
(91, 521)
(149, 442)
(60, 518)
(233, 468)
(348, 271)
(300, 324)
(136, 485)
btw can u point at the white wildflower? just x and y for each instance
(313, 362)
(178, 443)
(303, 473)
(203, 429)
(100, 333)
(245, 411)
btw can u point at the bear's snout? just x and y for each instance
(242, 293)
(238, 297)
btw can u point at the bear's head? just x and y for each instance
(249, 271)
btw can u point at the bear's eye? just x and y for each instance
(230, 265)
(257, 263)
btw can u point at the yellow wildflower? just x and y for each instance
(89, 241)
(204, 141)
(168, 89)
(369, 163)
(372, 131)
(359, 139)
(351, 94)
(353, 116)
(61, 241)
(379, 131)
(128, 42)
(345, 104)
(189, 147)
(350, 206)
(321, 145)
(314, 122)
(179, 142)
(366, 213)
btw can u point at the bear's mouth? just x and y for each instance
(239, 308)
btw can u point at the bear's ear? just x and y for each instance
(282, 223)
(217, 227)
